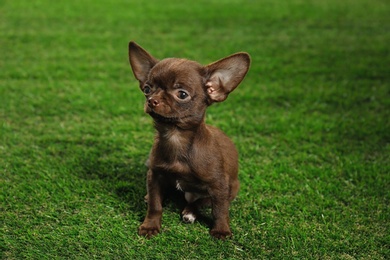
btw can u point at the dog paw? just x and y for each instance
(189, 217)
(221, 234)
(147, 231)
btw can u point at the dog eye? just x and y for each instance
(147, 90)
(182, 94)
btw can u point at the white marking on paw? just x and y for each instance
(189, 218)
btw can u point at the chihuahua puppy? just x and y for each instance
(187, 154)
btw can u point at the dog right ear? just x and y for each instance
(140, 61)
(225, 75)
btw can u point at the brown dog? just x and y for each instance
(187, 154)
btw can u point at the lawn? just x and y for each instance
(310, 121)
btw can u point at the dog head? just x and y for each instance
(178, 91)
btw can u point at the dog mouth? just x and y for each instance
(184, 121)
(164, 119)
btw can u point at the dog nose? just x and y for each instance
(152, 102)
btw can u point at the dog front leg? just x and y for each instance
(220, 212)
(152, 223)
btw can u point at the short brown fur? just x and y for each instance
(187, 154)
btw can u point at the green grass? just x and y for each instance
(311, 123)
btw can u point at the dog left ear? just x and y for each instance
(225, 75)
(140, 61)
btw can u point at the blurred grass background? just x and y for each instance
(311, 123)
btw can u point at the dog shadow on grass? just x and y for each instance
(126, 178)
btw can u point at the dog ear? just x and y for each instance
(141, 61)
(224, 75)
